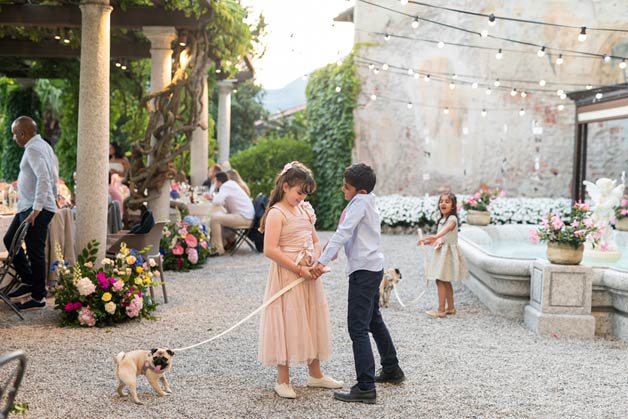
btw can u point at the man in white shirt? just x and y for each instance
(238, 206)
(37, 192)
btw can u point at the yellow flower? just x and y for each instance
(138, 281)
(147, 281)
(106, 296)
(139, 269)
(123, 249)
(130, 259)
(202, 236)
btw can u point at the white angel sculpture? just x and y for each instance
(605, 196)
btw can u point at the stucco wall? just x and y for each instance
(463, 149)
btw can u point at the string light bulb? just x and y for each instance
(338, 89)
(474, 85)
(607, 58)
(452, 86)
(622, 65)
(454, 76)
(559, 60)
(599, 95)
(522, 112)
(426, 78)
(118, 64)
(417, 75)
(491, 20)
(409, 105)
(589, 86)
(541, 52)
(403, 2)
(373, 96)
(387, 37)
(384, 66)
(496, 83)
(484, 33)
(561, 107)
(488, 91)
(499, 54)
(57, 36)
(513, 92)
(484, 112)
(541, 82)
(441, 44)
(446, 111)
(563, 96)
(523, 94)
(375, 71)
(371, 66)
(560, 92)
(410, 72)
(415, 23)
(583, 34)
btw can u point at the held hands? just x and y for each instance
(306, 272)
(439, 243)
(428, 240)
(319, 269)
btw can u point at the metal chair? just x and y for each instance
(242, 236)
(139, 242)
(15, 364)
(8, 276)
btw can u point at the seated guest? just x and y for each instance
(233, 175)
(211, 176)
(118, 163)
(238, 206)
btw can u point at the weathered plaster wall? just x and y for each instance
(463, 149)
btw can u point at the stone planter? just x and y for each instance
(564, 254)
(622, 224)
(478, 218)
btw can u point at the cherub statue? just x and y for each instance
(605, 196)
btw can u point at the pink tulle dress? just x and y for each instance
(295, 328)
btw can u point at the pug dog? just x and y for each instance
(389, 280)
(153, 364)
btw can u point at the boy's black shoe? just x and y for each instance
(396, 376)
(357, 395)
(31, 304)
(22, 292)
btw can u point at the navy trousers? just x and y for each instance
(32, 273)
(363, 316)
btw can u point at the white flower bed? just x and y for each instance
(398, 210)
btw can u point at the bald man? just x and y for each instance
(37, 190)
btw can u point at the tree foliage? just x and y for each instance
(330, 131)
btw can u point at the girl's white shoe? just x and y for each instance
(325, 381)
(285, 390)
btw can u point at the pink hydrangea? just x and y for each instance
(177, 249)
(86, 317)
(134, 307)
(191, 241)
(192, 255)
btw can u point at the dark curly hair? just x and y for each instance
(361, 177)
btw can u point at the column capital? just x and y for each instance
(160, 37)
(226, 86)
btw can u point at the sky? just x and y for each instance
(300, 38)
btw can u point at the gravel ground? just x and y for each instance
(471, 365)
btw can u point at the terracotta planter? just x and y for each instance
(478, 218)
(564, 254)
(622, 224)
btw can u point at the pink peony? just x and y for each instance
(183, 231)
(192, 255)
(177, 250)
(118, 286)
(191, 241)
(134, 307)
(86, 317)
(534, 236)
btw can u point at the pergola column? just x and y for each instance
(199, 148)
(160, 38)
(93, 125)
(225, 87)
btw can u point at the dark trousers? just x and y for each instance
(33, 273)
(363, 317)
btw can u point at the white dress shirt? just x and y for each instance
(360, 234)
(235, 200)
(39, 174)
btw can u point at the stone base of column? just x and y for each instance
(571, 325)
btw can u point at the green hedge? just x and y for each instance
(260, 164)
(331, 133)
(19, 102)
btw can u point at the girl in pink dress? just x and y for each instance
(295, 328)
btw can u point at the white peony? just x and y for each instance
(85, 286)
(152, 262)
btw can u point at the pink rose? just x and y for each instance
(477, 195)
(86, 317)
(192, 255)
(204, 244)
(191, 241)
(134, 307)
(177, 250)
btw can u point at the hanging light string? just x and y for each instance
(492, 17)
(473, 77)
(457, 44)
(543, 48)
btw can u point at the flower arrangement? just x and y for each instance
(185, 244)
(117, 291)
(481, 200)
(621, 211)
(580, 229)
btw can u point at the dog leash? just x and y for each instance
(424, 275)
(258, 309)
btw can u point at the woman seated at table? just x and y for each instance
(233, 175)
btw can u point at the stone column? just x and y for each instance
(560, 300)
(199, 147)
(161, 38)
(92, 152)
(224, 119)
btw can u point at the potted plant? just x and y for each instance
(565, 240)
(478, 205)
(621, 214)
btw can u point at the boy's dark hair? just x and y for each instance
(360, 176)
(222, 177)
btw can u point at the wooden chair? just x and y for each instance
(139, 242)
